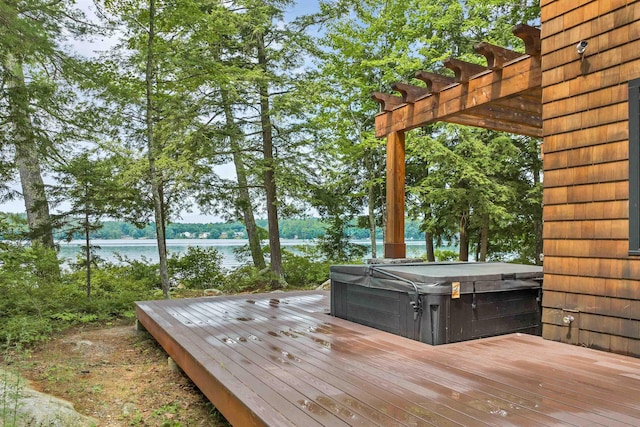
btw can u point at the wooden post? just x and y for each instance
(394, 246)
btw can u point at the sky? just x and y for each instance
(88, 49)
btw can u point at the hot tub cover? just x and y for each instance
(436, 278)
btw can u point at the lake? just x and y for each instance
(147, 248)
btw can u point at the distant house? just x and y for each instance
(204, 235)
(238, 235)
(577, 87)
(224, 235)
(188, 235)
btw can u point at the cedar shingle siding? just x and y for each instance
(589, 273)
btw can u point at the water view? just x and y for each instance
(139, 249)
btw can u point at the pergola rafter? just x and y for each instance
(505, 96)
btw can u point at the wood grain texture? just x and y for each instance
(592, 154)
(515, 78)
(263, 362)
(598, 173)
(598, 98)
(618, 209)
(596, 135)
(603, 229)
(587, 264)
(581, 248)
(625, 270)
(612, 24)
(601, 192)
(395, 198)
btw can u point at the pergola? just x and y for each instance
(505, 95)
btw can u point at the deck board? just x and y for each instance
(278, 359)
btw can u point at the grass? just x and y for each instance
(11, 385)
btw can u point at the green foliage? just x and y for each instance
(37, 300)
(336, 246)
(248, 279)
(116, 287)
(28, 276)
(445, 255)
(290, 228)
(308, 270)
(26, 329)
(198, 268)
(68, 316)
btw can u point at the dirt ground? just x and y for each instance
(120, 377)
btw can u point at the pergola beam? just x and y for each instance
(435, 82)
(496, 56)
(526, 102)
(515, 78)
(462, 69)
(507, 115)
(487, 122)
(410, 93)
(531, 38)
(388, 102)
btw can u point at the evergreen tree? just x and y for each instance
(148, 90)
(367, 48)
(88, 186)
(37, 97)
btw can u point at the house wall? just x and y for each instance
(589, 274)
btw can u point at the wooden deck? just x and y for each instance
(280, 360)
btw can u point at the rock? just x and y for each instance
(129, 409)
(212, 292)
(140, 329)
(326, 286)
(35, 409)
(173, 366)
(83, 343)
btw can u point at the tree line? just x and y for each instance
(138, 131)
(303, 229)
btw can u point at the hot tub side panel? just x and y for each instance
(379, 308)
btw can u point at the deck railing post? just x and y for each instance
(394, 246)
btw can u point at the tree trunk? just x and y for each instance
(156, 180)
(87, 253)
(484, 238)
(26, 157)
(428, 237)
(431, 254)
(464, 237)
(244, 199)
(269, 169)
(372, 222)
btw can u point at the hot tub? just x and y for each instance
(440, 303)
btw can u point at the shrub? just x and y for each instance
(198, 268)
(26, 329)
(445, 255)
(115, 287)
(247, 279)
(306, 270)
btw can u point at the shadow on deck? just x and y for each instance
(279, 359)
